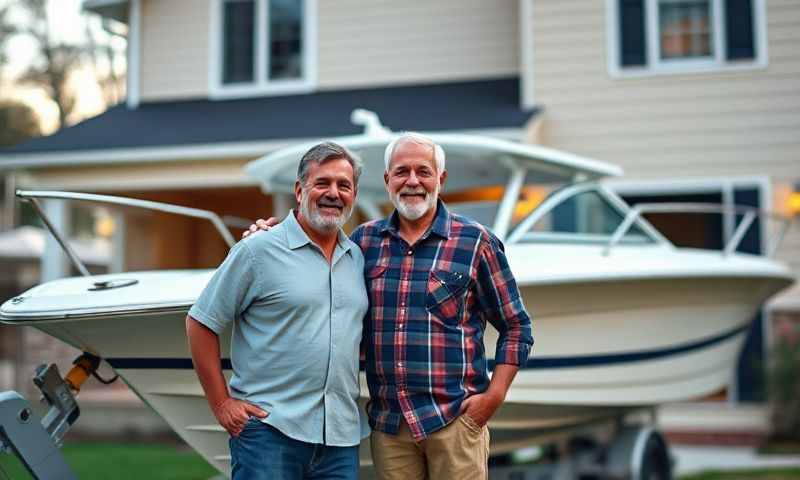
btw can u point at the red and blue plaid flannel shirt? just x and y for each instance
(429, 304)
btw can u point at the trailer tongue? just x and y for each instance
(36, 441)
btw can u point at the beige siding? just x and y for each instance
(388, 42)
(380, 43)
(174, 49)
(719, 124)
(701, 124)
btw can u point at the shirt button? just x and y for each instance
(410, 252)
(399, 326)
(400, 364)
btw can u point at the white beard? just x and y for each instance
(320, 222)
(416, 210)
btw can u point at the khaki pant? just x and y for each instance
(459, 451)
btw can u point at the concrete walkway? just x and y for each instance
(690, 459)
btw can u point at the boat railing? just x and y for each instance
(559, 196)
(749, 215)
(34, 196)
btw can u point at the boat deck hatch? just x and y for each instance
(109, 284)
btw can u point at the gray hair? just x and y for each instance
(438, 151)
(324, 152)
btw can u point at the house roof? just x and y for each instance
(445, 106)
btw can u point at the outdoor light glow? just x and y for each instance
(530, 197)
(794, 203)
(104, 226)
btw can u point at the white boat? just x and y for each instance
(623, 319)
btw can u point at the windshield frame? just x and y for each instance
(566, 192)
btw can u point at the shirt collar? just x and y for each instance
(440, 225)
(296, 237)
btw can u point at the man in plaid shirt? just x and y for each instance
(434, 280)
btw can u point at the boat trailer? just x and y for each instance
(625, 451)
(37, 442)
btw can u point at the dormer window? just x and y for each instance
(261, 47)
(680, 36)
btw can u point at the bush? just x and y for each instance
(784, 380)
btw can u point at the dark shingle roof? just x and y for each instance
(444, 106)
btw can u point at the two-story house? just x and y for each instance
(698, 100)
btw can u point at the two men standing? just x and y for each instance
(433, 279)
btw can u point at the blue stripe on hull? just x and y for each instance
(629, 357)
(533, 363)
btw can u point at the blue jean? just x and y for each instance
(262, 452)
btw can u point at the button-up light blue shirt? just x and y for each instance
(296, 330)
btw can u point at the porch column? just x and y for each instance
(9, 214)
(55, 263)
(117, 264)
(281, 204)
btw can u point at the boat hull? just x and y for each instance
(595, 356)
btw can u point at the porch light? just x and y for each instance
(104, 226)
(793, 202)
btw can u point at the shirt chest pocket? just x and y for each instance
(447, 294)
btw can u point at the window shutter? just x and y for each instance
(739, 29)
(238, 43)
(632, 41)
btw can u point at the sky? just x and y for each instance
(67, 28)
(65, 25)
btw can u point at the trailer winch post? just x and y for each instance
(35, 441)
(23, 434)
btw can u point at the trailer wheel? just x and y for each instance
(655, 461)
(638, 453)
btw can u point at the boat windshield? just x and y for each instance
(577, 214)
(479, 196)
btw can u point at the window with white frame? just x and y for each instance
(262, 46)
(663, 36)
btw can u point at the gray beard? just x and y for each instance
(415, 212)
(320, 222)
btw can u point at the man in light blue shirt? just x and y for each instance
(295, 298)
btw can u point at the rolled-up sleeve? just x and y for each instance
(229, 292)
(501, 304)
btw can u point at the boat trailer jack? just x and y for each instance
(36, 442)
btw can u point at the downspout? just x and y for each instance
(134, 49)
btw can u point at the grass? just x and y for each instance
(760, 474)
(156, 461)
(122, 461)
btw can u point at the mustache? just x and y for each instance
(330, 203)
(413, 191)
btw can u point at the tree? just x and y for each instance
(6, 31)
(18, 122)
(55, 60)
(104, 54)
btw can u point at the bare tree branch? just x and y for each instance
(55, 61)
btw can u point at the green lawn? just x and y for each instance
(120, 461)
(136, 461)
(762, 474)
